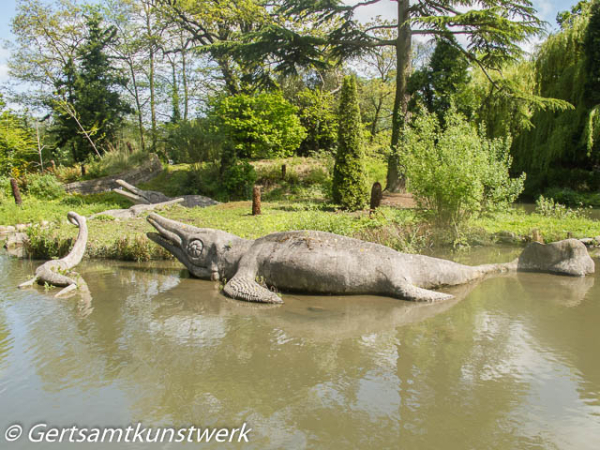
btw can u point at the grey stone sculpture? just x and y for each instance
(58, 272)
(324, 263)
(139, 196)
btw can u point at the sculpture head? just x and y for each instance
(207, 253)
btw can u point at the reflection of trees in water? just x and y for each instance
(5, 340)
(475, 372)
(353, 370)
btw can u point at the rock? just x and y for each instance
(553, 258)
(22, 227)
(16, 245)
(507, 237)
(44, 223)
(4, 230)
(588, 242)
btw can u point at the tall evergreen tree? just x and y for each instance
(90, 110)
(349, 184)
(437, 84)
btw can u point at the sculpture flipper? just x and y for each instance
(246, 289)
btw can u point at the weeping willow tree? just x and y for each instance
(565, 67)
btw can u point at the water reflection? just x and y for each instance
(511, 363)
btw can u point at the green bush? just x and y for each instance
(457, 171)
(44, 186)
(349, 187)
(190, 141)
(258, 126)
(238, 180)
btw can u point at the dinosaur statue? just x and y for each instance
(323, 263)
(57, 272)
(139, 196)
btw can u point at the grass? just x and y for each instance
(551, 228)
(35, 210)
(297, 202)
(126, 239)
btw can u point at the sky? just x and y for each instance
(547, 10)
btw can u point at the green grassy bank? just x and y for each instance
(404, 230)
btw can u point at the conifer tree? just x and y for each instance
(349, 184)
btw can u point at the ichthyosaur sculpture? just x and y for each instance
(323, 263)
(58, 272)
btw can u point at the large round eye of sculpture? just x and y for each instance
(194, 248)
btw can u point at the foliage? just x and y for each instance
(550, 208)
(349, 186)
(238, 180)
(456, 171)
(317, 114)
(44, 186)
(562, 70)
(189, 141)
(437, 85)
(88, 108)
(258, 126)
(17, 145)
(315, 32)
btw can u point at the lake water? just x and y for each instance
(513, 363)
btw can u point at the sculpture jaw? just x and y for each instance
(208, 254)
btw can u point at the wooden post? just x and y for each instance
(283, 171)
(15, 191)
(82, 170)
(256, 201)
(376, 195)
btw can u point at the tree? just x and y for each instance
(88, 104)
(17, 143)
(566, 68)
(349, 184)
(258, 126)
(491, 29)
(437, 84)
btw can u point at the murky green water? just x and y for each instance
(512, 364)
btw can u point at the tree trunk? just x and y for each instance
(256, 201)
(138, 105)
(15, 191)
(186, 100)
(396, 181)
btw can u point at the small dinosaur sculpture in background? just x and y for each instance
(315, 262)
(58, 272)
(139, 196)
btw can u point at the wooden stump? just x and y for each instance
(256, 201)
(83, 170)
(376, 195)
(536, 236)
(283, 171)
(15, 191)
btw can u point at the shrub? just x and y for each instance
(238, 180)
(550, 208)
(457, 171)
(44, 186)
(349, 187)
(258, 126)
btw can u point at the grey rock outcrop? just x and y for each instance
(324, 263)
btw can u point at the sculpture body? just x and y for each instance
(324, 263)
(58, 272)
